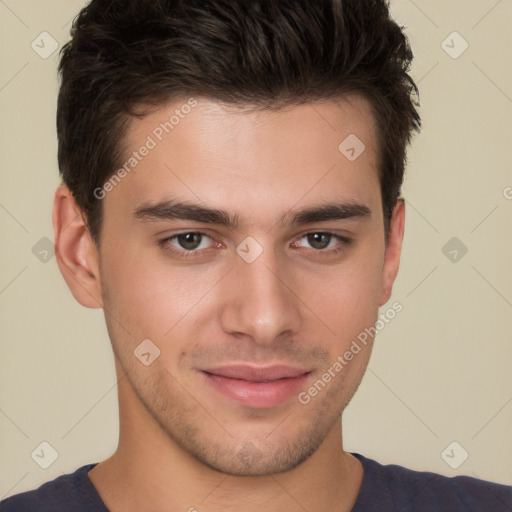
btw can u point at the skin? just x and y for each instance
(182, 444)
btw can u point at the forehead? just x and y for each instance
(251, 160)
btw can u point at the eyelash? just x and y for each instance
(165, 244)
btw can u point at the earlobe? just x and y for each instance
(75, 251)
(393, 251)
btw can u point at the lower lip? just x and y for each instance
(257, 394)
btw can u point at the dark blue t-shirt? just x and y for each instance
(385, 488)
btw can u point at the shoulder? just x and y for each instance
(71, 492)
(404, 489)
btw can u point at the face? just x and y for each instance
(246, 239)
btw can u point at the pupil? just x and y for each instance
(189, 240)
(319, 240)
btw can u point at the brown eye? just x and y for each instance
(323, 243)
(189, 242)
(319, 240)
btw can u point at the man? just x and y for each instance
(231, 199)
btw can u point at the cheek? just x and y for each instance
(149, 295)
(346, 298)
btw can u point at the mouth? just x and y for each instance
(257, 387)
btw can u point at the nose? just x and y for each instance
(261, 301)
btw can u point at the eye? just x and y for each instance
(319, 240)
(323, 241)
(188, 242)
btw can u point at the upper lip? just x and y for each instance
(257, 373)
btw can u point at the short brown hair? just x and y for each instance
(264, 53)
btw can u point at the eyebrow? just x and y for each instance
(328, 212)
(171, 210)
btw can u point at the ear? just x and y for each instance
(393, 251)
(75, 251)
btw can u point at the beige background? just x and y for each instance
(440, 371)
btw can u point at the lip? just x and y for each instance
(258, 387)
(257, 373)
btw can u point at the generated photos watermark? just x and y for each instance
(151, 143)
(342, 360)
